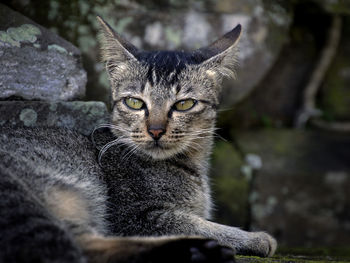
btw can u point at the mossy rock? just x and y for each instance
(37, 64)
(230, 187)
(301, 192)
(82, 116)
(298, 255)
(335, 92)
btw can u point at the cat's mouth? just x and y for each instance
(156, 144)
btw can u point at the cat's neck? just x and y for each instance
(200, 157)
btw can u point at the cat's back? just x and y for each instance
(48, 154)
(41, 139)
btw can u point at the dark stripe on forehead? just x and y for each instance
(142, 88)
(162, 64)
(178, 88)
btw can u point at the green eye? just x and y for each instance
(184, 105)
(133, 103)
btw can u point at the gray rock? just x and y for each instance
(36, 64)
(301, 193)
(77, 115)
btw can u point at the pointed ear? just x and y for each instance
(220, 58)
(115, 49)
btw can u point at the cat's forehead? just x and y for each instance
(164, 67)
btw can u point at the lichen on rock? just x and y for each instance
(13, 36)
(28, 117)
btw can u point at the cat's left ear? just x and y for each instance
(219, 58)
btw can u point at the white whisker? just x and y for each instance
(107, 146)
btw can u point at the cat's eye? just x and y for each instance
(184, 105)
(134, 103)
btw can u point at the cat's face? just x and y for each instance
(165, 102)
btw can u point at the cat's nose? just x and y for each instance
(156, 132)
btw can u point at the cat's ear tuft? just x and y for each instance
(114, 47)
(220, 58)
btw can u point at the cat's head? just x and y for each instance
(165, 102)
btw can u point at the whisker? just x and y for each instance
(104, 125)
(107, 146)
(130, 153)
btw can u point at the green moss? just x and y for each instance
(230, 187)
(226, 158)
(57, 48)
(24, 33)
(291, 258)
(6, 38)
(341, 253)
(91, 109)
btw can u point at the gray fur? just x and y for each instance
(52, 182)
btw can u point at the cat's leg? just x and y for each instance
(28, 233)
(243, 242)
(71, 207)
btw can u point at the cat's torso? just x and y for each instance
(128, 191)
(140, 188)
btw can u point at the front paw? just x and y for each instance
(270, 244)
(260, 244)
(190, 250)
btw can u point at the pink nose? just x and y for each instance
(156, 133)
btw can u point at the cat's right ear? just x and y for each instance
(219, 59)
(116, 51)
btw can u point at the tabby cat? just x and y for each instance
(146, 196)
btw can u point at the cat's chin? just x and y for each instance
(160, 151)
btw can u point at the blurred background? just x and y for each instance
(281, 161)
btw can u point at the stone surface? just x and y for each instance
(301, 193)
(77, 115)
(36, 64)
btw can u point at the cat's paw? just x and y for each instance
(261, 244)
(190, 250)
